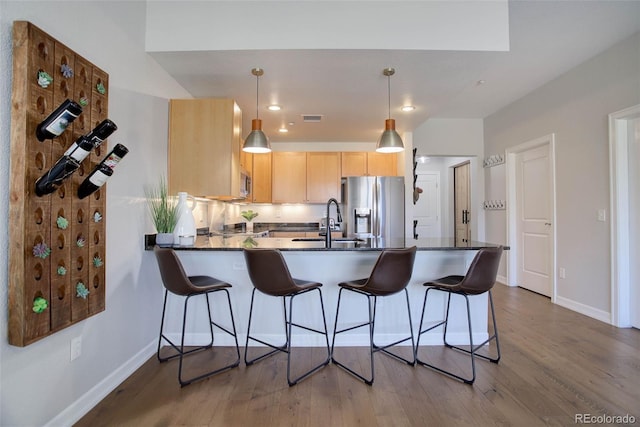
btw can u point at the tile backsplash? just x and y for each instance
(218, 213)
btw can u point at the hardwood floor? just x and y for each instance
(555, 364)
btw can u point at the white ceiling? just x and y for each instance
(347, 87)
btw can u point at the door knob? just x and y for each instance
(547, 223)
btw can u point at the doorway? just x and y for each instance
(531, 215)
(624, 170)
(462, 203)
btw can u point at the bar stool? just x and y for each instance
(270, 275)
(390, 275)
(480, 278)
(178, 283)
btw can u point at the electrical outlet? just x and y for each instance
(602, 215)
(278, 212)
(76, 348)
(563, 273)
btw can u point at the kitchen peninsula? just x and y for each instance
(222, 257)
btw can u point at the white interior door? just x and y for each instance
(533, 209)
(427, 208)
(634, 212)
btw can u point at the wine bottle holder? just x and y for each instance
(55, 239)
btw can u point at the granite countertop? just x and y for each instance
(239, 242)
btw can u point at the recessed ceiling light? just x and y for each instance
(408, 108)
(274, 107)
(480, 82)
(291, 123)
(283, 130)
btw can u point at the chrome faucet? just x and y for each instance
(339, 219)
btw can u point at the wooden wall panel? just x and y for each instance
(34, 219)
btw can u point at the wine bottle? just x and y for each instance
(52, 179)
(58, 120)
(81, 148)
(102, 171)
(71, 159)
(101, 132)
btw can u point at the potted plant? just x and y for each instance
(249, 215)
(163, 210)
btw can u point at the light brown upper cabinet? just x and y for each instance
(369, 164)
(289, 172)
(323, 176)
(261, 178)
(300, 177)
(204, 147)
(354, 163)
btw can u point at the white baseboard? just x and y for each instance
(502, 280)
(83, 405)
(595, 313)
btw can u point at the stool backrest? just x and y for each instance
(174, 278)
(392, 271)
(269, 272)
(481, 275)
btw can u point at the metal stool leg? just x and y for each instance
(373, 348)
(274, 350)
(370, 324)
(286, 348)
(473, 348)
(179, 350)
(383, 349)
(324, 332)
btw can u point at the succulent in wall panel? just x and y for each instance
(39, 305)
(62, 223)
(82, 291)
(41, 250)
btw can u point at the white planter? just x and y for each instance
(164, 239)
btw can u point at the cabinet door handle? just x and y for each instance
(465, 216)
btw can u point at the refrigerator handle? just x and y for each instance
(376, 209)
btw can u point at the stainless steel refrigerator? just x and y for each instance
(373, 206)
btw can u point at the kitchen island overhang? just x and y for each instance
(223, 258)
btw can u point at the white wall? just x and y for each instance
(39, 383)
(575, 107)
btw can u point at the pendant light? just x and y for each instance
(390, 141)
(257, 141)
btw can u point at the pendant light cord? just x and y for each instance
(257, 86)
(389, 95)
